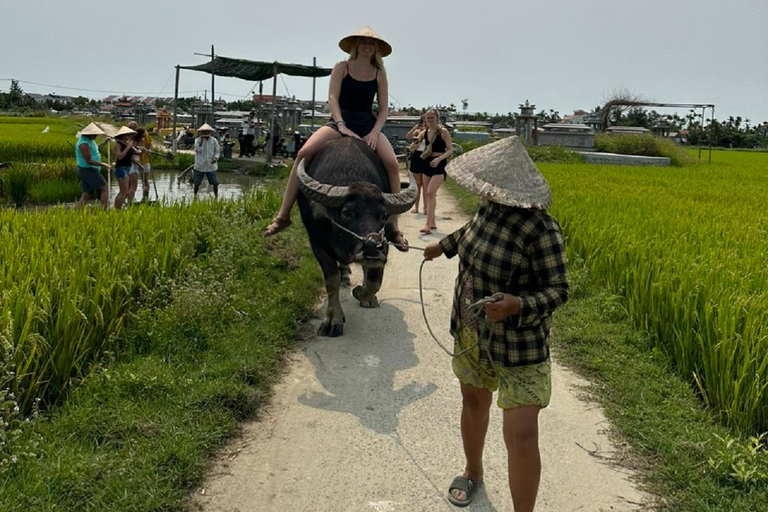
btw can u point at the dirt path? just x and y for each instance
(370, 421)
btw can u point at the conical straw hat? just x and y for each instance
(348, 43)
(125, 131)
(502, 172)
(92, 129)
(205, 128)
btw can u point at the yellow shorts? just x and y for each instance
(517, 385)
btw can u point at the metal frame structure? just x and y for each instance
(248, 70)
(605, 111)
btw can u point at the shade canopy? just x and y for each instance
(256, 71)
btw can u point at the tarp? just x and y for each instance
(255, 71)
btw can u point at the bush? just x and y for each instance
(554, 154)
(641, 145)
(57, 191)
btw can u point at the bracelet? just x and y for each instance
(341, 122)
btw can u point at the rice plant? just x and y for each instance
(687, 249)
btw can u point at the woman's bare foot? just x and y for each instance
(415, 209)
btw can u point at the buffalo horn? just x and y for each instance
(331, 196)
(403, 200)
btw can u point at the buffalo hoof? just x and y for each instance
(344, 282)
(373, 303)
(331, 330)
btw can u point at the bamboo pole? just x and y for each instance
(314, 81)
(175, 110)
(271, 144)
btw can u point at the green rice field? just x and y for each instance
(686, 250)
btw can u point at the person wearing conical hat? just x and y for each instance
(89, 166)
(512, 250)
(206, 159)
(353, 86)
(124, 153)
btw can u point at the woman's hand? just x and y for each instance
(346, 131)
(433, 251)
(498, 311)
(372, 139)
(435, 162)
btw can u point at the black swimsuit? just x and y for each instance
(356, 104)
(438, 146)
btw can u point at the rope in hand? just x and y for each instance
(475, 307)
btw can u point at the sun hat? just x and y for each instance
(125, 131)
(92, 129)
(349, 43)
(205, 128)
(502, 172)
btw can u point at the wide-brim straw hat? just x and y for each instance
(349, 43)
(125, 131)
(502, 172)
(206, 128)
(92, 129)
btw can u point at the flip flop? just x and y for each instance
(278, 224)
(469, 486)
(425, 231)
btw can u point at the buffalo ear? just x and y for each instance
(332, 196)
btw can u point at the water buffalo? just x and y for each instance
(346, 206)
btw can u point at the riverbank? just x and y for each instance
(196, 358)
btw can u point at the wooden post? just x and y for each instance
(261, 122)
(213, 86)
(314, 80)
(271, 144)
(175, 110)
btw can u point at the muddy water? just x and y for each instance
(231, 185)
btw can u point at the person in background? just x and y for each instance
(248, 131)
(415, 163)
(89, 166)
(436, 153)
(206, 158)
(145, 143)
(125, 150)
(512, 251)
(354, 84)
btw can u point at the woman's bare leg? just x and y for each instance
(388, 158)
(431, 193)
(417, 177)
(320, 137)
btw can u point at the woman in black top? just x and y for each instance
(354, 84)
(415, 163)
(437, 151)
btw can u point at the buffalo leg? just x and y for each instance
(366, 294)
(345, 272)
(333, 323)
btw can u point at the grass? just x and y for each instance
(642, 145)
(686, 457)
(199, 355)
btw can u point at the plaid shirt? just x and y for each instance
(516, 251)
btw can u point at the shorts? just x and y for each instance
(134, 169)
(359, 122)
(210, 176)
(430, 171)
(146, 168)
(91, 179)
(417, 164)
(517, 385)
(122, 171)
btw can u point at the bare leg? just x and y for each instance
(418, 179)
(521, 435)
(83, 198)
(476, 405)
(123, 194)
(431, 193)
(145, 185)
(389, 159)
(282, 220)
(426, 180)
(133, 185)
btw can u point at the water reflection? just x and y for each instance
(231, 186)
